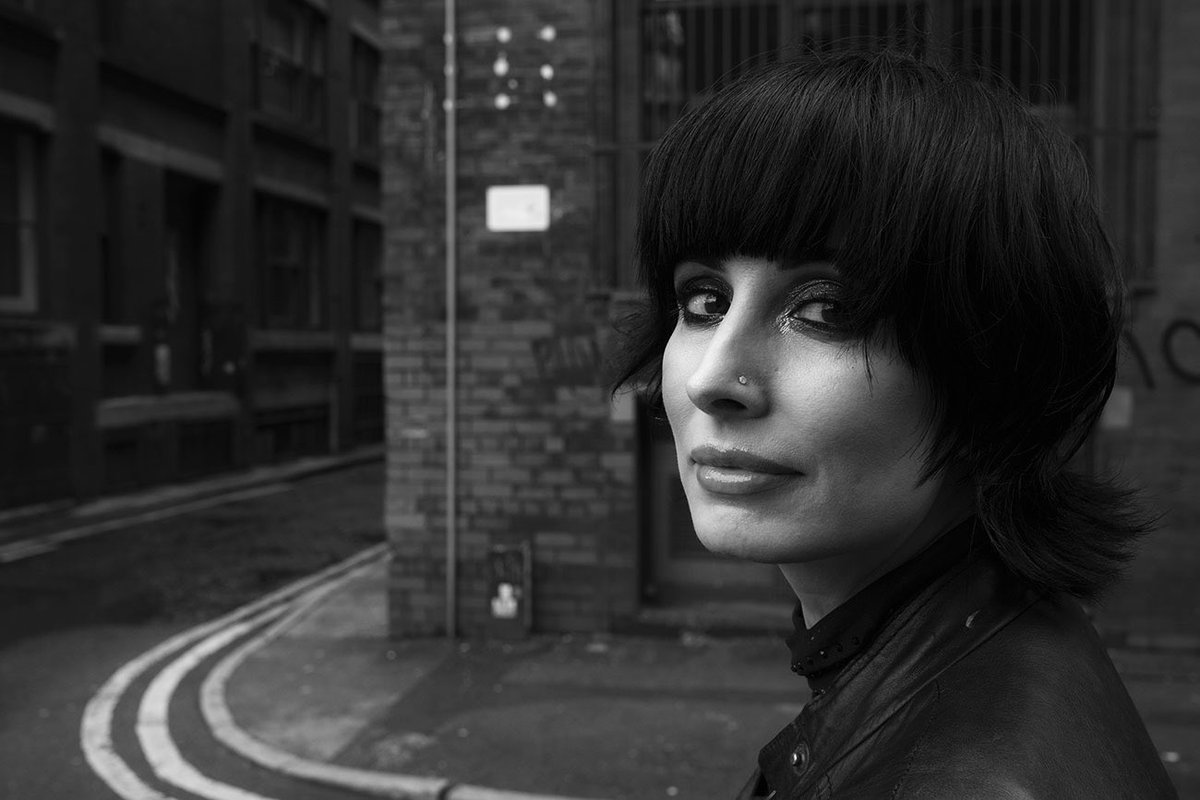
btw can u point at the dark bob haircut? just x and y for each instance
(965, 231)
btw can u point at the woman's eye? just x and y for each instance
(703, 303)
(818, 307)
(821, 312)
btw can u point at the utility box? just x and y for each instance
(510, 600)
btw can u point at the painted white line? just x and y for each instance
(382, 784)
(95, 730)
(27, 549)
(465, 791)
(10, 515)
(226, 730)
(153, 732)
(84, 531)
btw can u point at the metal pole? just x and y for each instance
(451, 324)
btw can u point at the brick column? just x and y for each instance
(542, 455)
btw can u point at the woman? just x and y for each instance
(884, 316)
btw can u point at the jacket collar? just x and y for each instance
(819, 652)
(955, 614)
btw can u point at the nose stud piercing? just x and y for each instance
(742, 380)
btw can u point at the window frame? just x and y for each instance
(366, 102)
(309, 225)
(1111, 117)
(27, 162)
(364, 288)
(305, 58)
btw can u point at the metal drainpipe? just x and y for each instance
(450, 41)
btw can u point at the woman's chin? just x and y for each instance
(741, 543)
(766, 539)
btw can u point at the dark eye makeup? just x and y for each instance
(702, 301)
(814, 305)
(817, 305)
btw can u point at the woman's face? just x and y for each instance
(811, 457)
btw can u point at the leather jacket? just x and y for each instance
(977, 688)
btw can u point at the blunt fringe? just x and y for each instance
(965, 230)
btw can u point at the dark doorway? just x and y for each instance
(188, 213)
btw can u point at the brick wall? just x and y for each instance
(1159, 448)
(542, 456)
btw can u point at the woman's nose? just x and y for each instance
(728, 379)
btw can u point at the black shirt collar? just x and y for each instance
(819, 653)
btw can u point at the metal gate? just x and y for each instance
(1089, 65)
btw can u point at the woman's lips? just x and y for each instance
(738, 472)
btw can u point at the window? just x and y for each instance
(290, 82)
(688, 49)
(368, 278)
(18, 219)
(1039, 50)
(114, 303)
(1089, 67)
(365, 112)
(292, 257)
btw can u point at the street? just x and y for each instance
(73, 616)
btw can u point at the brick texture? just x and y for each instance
(540, 457)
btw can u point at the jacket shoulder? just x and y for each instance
(979, 787)
(1037, 712)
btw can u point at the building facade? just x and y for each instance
(191, 238)
(497, 386)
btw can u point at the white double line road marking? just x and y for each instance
(196, 644)
(153, 732)
(224, 729)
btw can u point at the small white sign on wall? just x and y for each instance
(518, 208)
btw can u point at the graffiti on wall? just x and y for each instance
(569, 360)
(1179, 345)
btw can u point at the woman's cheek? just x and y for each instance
(674, 379)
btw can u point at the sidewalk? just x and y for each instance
(585, 716)
(29, 531)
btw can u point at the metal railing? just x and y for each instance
(1087, 65)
